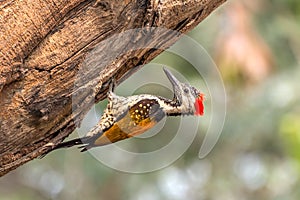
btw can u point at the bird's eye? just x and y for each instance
(186, 90)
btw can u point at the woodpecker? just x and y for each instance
(125, 117)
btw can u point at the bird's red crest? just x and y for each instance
(199, 105)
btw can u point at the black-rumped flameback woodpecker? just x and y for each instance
(126, 117)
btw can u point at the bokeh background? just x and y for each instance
(256, 46)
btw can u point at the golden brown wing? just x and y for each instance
(139, 118)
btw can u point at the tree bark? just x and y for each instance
(45, 45)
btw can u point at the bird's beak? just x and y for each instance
(175, 83)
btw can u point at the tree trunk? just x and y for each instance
(46, 44)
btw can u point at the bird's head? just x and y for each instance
(188, 99)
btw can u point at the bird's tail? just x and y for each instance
(70, 143)
(78, 141)
(84, 142)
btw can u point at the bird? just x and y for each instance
(125, 117)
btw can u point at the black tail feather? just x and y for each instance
(78, 141)
(86, 146)
(73, 142)
(83, 148)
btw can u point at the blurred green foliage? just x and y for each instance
(256, 46)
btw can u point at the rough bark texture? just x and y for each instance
(45, 45)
